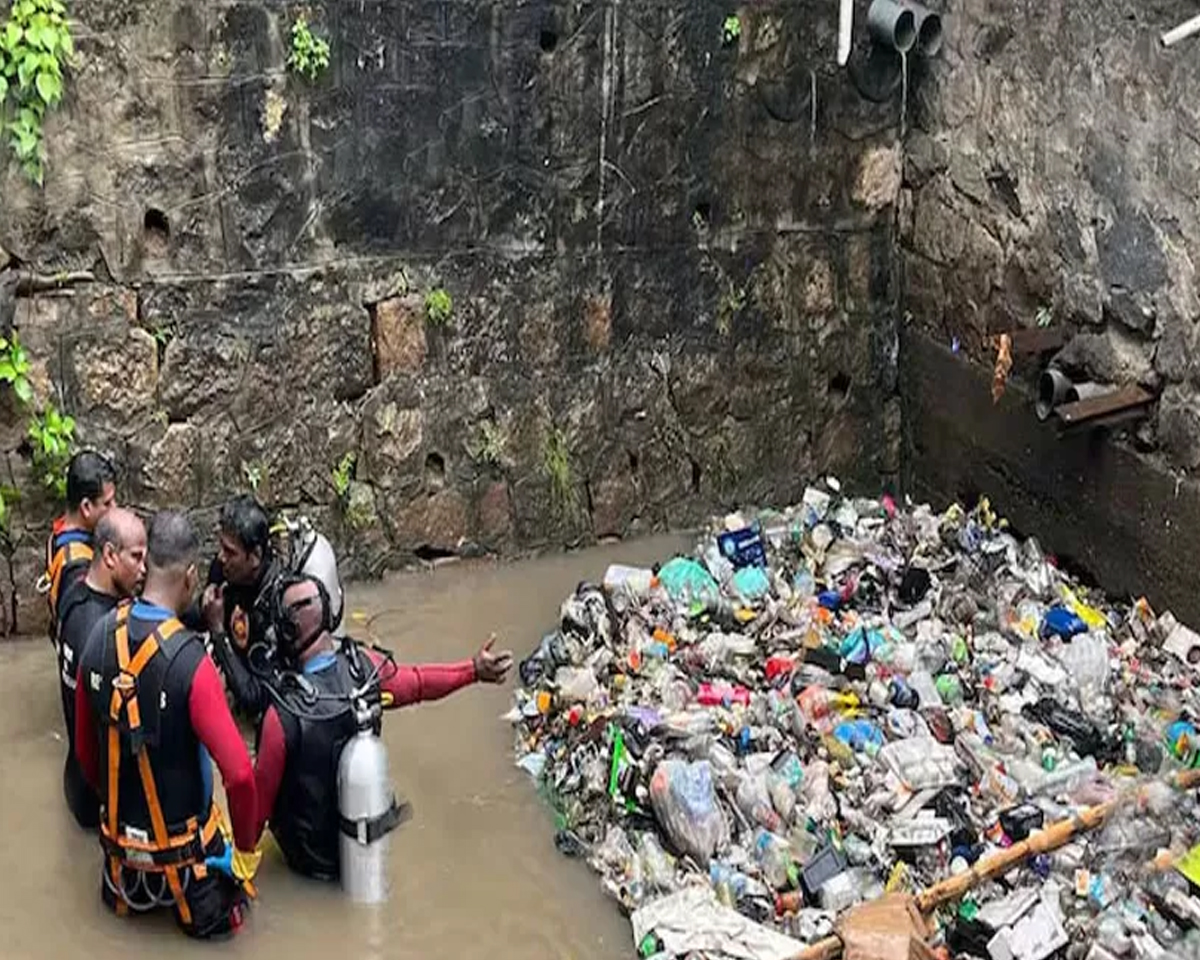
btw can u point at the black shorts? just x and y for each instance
(215, 901)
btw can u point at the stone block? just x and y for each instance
(1179, 425)
(597, 322)
(392, 438)
(398, 334)
(440, 522)
(168, 474)
(494, 511)
(877, 181)
(116, 377)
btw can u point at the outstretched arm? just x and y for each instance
(432, 681)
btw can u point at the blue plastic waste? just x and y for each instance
(751, 583)
(1061, 622)
(688, 582)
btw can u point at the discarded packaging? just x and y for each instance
(754, 743)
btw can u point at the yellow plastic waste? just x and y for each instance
(1189, 864)
(1089, 615)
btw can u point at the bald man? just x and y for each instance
(301, 738)
(115, 572)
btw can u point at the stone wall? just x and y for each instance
(1053, 175)
(671, 264)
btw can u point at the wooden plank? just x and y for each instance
(1031, 340)
(1120, 400)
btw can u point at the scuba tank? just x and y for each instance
(367, 806)
(306, 551)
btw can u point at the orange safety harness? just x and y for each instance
(73, 551)
(165, 854)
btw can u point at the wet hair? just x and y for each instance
(245, 519)
(87, 473)
(171, 541)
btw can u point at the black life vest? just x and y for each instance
(157, 812)
(68, 553)
(81, 608)
(305, 820)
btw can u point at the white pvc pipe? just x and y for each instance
(1181, 32)
(846, 30)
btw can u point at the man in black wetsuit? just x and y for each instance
(116, 571)
(236, 607)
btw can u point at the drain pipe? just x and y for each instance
(929, 29)
(845, 30)
(1181, 32)
(1053, 385)
(892, 24)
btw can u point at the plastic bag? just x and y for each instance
(754, 800)
(686, 807)
(575, 684)
(657, 867)
(688, 582)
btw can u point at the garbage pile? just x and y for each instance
(848, 698)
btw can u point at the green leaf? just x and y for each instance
(25, 71)
(49, 87)
(12, 35)
(23, 390)
(66, 44)
(3, 88)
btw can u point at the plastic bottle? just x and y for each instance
(636, 581)
(718, 694)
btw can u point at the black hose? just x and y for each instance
(272, 676)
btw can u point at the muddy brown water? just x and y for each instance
(474, 874)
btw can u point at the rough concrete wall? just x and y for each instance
(658, 247)
(1056, 166)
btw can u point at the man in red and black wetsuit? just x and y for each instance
(118, 565)
(149, 703)
(298, 752)
(91, 493)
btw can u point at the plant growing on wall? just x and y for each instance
(489, 445)
(731, 30)
(343, 474)
(438, 307)
(52, 438)
(35, 45)
(556, 464)
(14, 367)
(310, 53)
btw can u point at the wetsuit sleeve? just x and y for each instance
(86, 744)
(214, 727)
(430, 681)
(269, 765)
(247, 691)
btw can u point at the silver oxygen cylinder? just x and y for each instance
(321, 562)
(364, 793)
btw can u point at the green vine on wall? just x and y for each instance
(51, 434)
(35, 45)
(310, 53)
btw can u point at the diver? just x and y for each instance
(91, 493)
(116, 571)
(235, 608)
(311, 684)
(150, 711)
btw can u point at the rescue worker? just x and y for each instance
(116, 571)
(236, 603)
(91, 493)
(149, 713)
(301, 738)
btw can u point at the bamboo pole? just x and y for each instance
(997, 864)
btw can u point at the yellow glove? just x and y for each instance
(238, 864)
